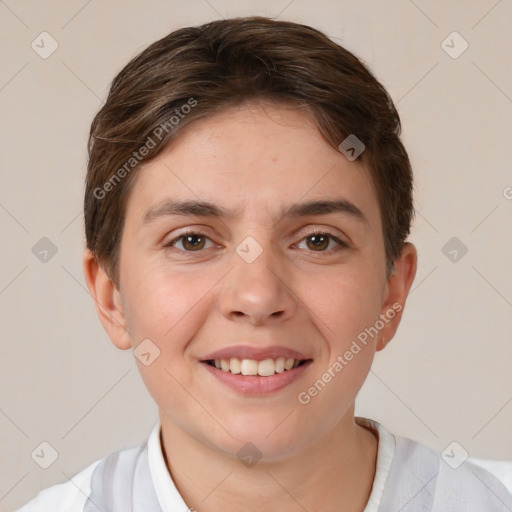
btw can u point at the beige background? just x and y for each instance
(447, 374)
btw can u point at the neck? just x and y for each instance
(334, 474)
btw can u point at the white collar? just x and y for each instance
(385, 453)
(167, 493)
(171, 500)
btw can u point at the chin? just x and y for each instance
(271, 436)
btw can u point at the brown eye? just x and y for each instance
(319, 242)
(195, 242)
(190, 242)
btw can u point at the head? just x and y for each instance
(293, 247)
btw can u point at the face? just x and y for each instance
(278, 272)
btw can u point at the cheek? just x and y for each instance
(344, 304)
(167, 308)
(162, 304)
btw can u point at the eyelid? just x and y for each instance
(332, 232)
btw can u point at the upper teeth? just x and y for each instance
(264, 368)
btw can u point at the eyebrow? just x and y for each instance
(170, 207)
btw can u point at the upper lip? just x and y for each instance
(256, 353)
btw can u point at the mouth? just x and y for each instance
(255, 371)
(252, 367)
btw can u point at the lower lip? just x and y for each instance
(256, 385)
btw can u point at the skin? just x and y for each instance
(255, 159)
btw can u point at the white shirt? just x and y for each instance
(402, 481)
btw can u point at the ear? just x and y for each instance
(107, 300)
(395, 293)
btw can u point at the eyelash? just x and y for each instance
(341, 245)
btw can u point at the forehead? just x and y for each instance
(257, 160)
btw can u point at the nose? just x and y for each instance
(259, 292)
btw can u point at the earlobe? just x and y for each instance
(397, 290)
(107, 301)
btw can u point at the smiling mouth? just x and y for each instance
(252, 367)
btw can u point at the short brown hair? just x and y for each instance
(225, 63)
